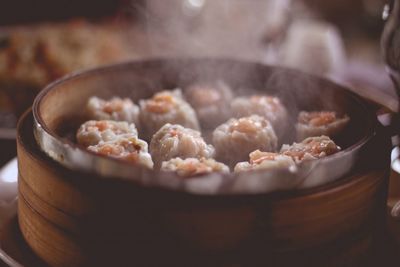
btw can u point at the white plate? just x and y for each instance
(8, 203)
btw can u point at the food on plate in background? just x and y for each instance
(33, 56)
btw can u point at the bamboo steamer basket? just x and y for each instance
(75, 217)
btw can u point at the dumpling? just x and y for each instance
(266, 161)
(93, 132)
(236, 138)
(319, 123)
(269, 107)
(130, 149)
(166, 107)
(311, 148)
(116, 109)
(174, 140)
(211, 102)
(193, 166)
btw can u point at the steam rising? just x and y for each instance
(251, 31)
(230, 28)
(266, 31)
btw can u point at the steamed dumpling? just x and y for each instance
(166, 107)
(211, 102)
(319, 123)
(311, 148)
(93, 132)
(269, 107)
(266, 161)
(236, 138)
(117, 109)
(174, 140)
(191, 167)
(130, 149)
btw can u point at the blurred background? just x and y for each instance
(43, 40)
